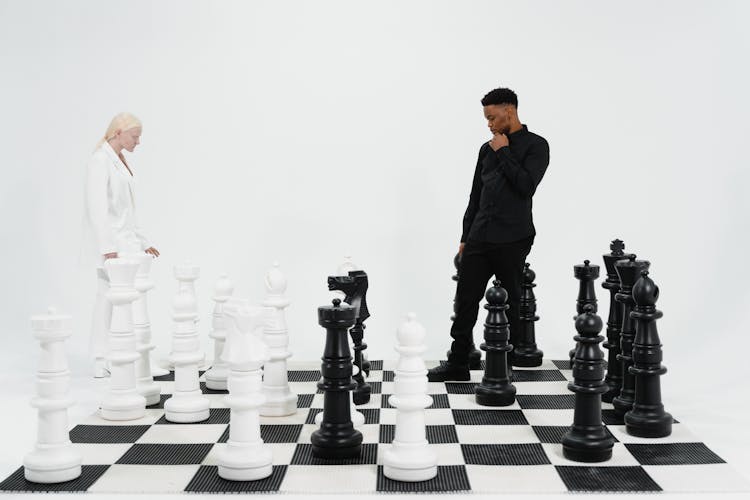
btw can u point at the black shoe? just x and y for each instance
(448, 371)
(475, 358)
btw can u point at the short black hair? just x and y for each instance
(500, 96)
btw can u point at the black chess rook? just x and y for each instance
(586, 274)
(496, 388)
(587, 440)
(337, 437)
(647, 418)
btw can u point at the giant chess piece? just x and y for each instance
(186, 274)
(54, 460)
(647, 418)
(216, 376)
(587, 440)
(410, 457)
(355, 287)
(585, 274)
(613, 379)
(526, 352)
(496, 388)
(475, 355)
(280, 400)
(187, 404)
(122, 401)
(142, 326)
(628, 271)
(246, 457)
(336, 438)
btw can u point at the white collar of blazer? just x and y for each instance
(115, 158)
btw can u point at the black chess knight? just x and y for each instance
(336, 437)
(355, 287)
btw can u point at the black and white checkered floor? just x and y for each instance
(480, 449)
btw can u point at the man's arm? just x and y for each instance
(476, 191)
(524, 178)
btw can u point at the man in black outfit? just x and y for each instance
(498, 230)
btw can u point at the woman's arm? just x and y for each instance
(97, 204)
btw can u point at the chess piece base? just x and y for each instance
(495, 396)
(279, 407)
(149, 390)
(216, 384)
(410, 462)
(127, 407)
(245, 463)
(54, 465)
(334, 444)
(648, 425)
(526, 358)
(587, 444)
(184, 410)
(358, 418)
(362, 394)
(612, 393)
(622, 406)
(587, 455)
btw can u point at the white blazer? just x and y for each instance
(110, 204)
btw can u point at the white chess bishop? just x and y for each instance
(280, 400)
(216, 376)
(54, 460)
(122, 401)
(246, 457)
(410, 457)
(187, 404)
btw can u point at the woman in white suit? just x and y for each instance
(110, 203)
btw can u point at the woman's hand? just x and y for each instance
(110, 255)
(152, 251)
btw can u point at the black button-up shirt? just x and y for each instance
(499, 208)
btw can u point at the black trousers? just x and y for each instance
(479, 261)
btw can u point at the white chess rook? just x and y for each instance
(246, 457)
(122, 401)
(145, 384)
(54, 460)
(410, 457)
(187, 404)
(280, 400)
(216, 376)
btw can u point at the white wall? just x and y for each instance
(300, 131)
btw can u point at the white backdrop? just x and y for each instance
(303, 131)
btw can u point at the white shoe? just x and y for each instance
(100, 368)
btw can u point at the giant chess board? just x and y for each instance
(480, 449)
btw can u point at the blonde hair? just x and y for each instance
(122, 122)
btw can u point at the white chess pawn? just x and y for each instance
(280, 400)
(145, 384)
(186, 274)
(187, 404)
(216, 376)
(358, 418)
(54, 460)
(246, 457)
(122, 401)
(410, 457)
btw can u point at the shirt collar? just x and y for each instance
(115, 158)
(523, 130)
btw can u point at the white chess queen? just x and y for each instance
(110, 218)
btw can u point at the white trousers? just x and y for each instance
(102, 317)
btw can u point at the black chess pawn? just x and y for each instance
(475, 355)
(526, 352)
(613, 379)
(585, 274)
(355, 287)
(496, 388)
(337, 437)
(587, 440)
(647, 418)
(628, 271)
